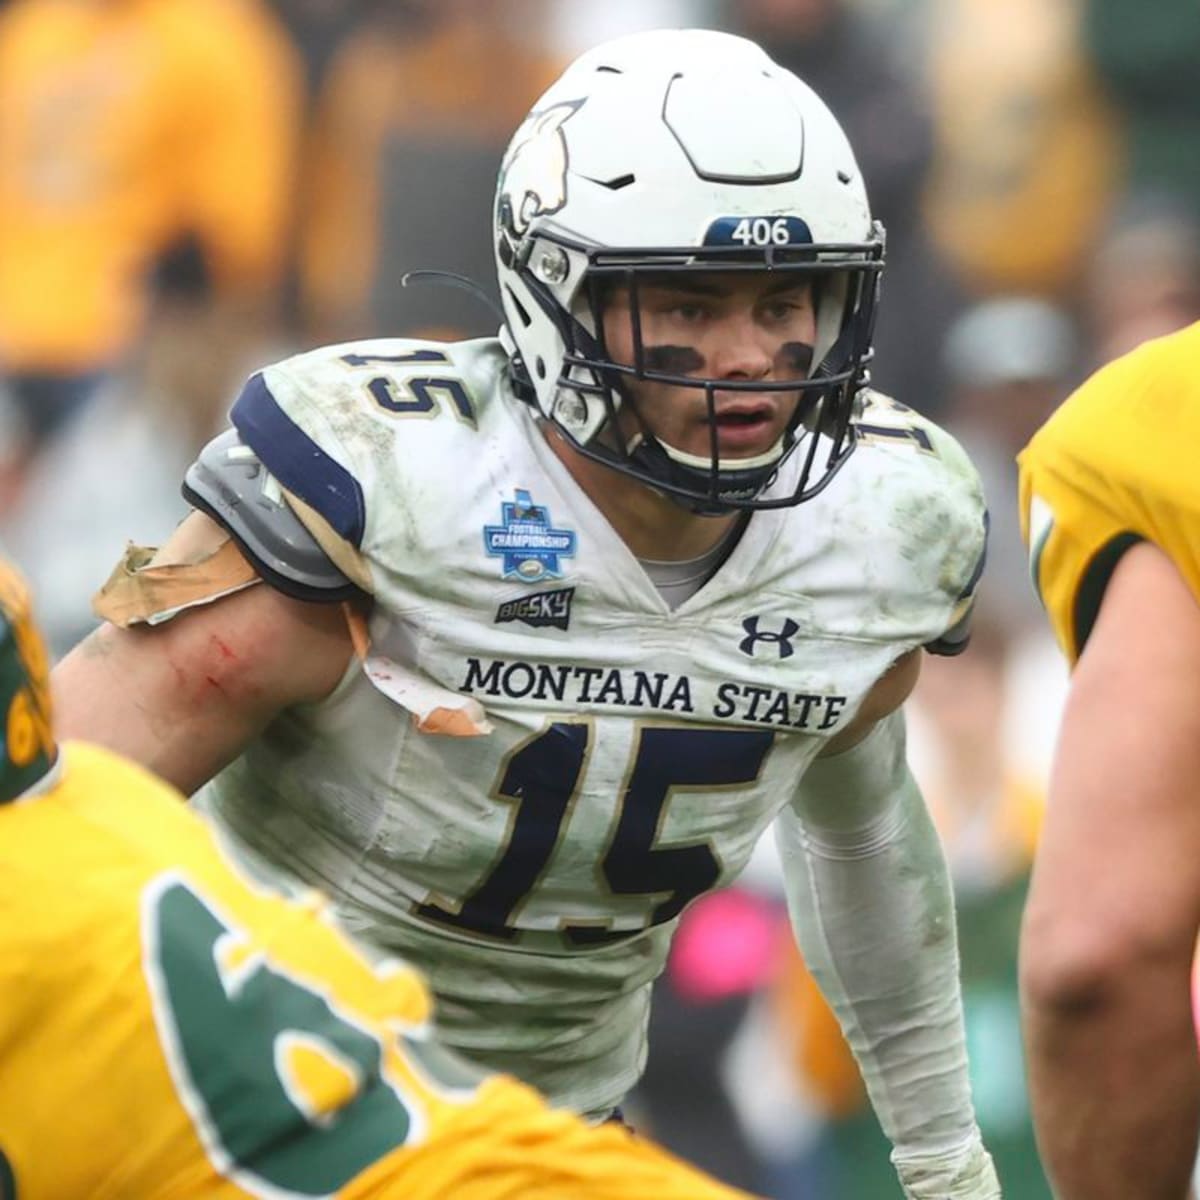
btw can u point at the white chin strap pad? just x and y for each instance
(702, 462)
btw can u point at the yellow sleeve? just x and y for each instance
(1114, 465)
(1074, 544)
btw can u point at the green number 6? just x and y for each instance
(225, 1034)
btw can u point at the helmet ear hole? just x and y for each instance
(540, 367)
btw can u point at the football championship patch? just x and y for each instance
(527, 543)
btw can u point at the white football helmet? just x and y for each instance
(675, 151)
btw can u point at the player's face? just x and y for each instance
(758, 327)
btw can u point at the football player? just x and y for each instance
(167, 1029)
(517, 645)
(1110, 494)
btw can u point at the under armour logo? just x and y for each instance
(782, 639)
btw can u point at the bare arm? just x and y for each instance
(1111, 924)
(183, 698)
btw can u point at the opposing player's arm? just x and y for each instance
(185, 696)
(1110, 928)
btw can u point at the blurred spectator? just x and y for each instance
(580, 24)
(1146, 56)
(410, 128)
(846, 59)
(318, 28)
(1144, 279)
(129, 128)
(14, 448)
(111, 473)
(1026, 158)
(1009, 362)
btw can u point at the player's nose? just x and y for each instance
(744, 350)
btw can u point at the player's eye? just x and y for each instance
(689, 311)
(781, 308)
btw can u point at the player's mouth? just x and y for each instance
(746, 426)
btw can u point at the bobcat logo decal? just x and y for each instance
(533, 180)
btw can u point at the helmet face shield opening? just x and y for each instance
(842, 281)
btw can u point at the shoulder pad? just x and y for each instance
(958, 635)
(229, 482)
(909, 502)
(294, 458)
(956, 639)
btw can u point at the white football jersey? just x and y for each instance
(539, 763)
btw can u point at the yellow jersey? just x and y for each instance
(1116, 464)
(170, 1030)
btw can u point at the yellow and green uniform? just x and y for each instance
(168, 1030)
(1115, 465)
(27, 747)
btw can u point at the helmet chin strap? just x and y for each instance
(738, 479)
(725, 465)
(660, 460)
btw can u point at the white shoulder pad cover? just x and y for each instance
(229, 482)
(908, 522)
(373, 438)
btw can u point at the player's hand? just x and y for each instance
(964, 1174)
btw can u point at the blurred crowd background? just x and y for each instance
(190, 188)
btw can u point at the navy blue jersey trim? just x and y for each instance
(956, 639)
(298, 462)
(977, 574)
